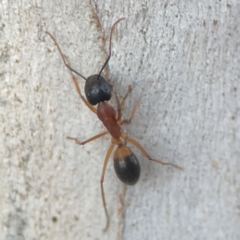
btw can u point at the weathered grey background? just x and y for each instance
(185, 59)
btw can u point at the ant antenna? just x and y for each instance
(104, 65)
(62, 55)
(110, 46)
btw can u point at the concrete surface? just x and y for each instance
(182, 57)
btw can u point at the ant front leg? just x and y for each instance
(88, 140)
(93, 109)
(128, 121)
(121, 104)
(66, 63)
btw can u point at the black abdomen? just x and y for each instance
(126, 165)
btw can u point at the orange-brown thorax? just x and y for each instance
(107, 115)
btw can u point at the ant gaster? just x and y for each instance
(98, 91)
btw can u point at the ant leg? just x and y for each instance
(124, 98)
(88, 140)
(93, 109)
(65, 60)
(102, 190)
(121, 211)
(121, 104)
(128, 121)
(135, 143)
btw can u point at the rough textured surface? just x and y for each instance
(183, 57)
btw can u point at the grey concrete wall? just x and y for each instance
(182, 57)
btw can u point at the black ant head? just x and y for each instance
(97, 89)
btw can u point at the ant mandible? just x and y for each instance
(98, 91)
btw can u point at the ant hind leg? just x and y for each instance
(137, 144)
(102, 189)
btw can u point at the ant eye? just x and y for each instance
(105, 88)
(97, 89)
(93, 94)
(94, 91)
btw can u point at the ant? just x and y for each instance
(98, 91)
